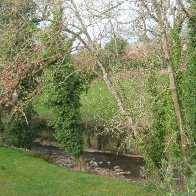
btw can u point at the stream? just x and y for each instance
(102, 163)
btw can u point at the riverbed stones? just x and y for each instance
(120, 173)
(45, 143)
(93, 163)
(102, 171)
(127, 172)
(38, 140)
(54, 143)
(117, 169)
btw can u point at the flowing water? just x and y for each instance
(130, 165)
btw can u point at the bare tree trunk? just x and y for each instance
(117, 97)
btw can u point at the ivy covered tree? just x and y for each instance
(64, 85)
(190, 102)
(172, 149)
(113, 52)
(116, 47)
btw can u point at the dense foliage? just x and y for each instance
(64, 86)
(18, 130)
(170, 153)
(16, 23)
(190, 104)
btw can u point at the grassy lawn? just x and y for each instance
(21, 174)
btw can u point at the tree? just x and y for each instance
(81, 24)
(114, 51)
(17, 28)
(21, 50)
(190, 82)
(21, 63)
(64, 86)
(171, 122)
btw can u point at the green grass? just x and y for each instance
(21, 174)
(41, 109)
(98, 104)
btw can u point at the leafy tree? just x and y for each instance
(17, 27)
(113, 52)
(18, 129)
(172, 149)
(17, 30)
(64, 86)
(117, 46)
(190, 83)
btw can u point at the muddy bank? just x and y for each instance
(102, 163)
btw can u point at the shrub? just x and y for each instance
(18, 130)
